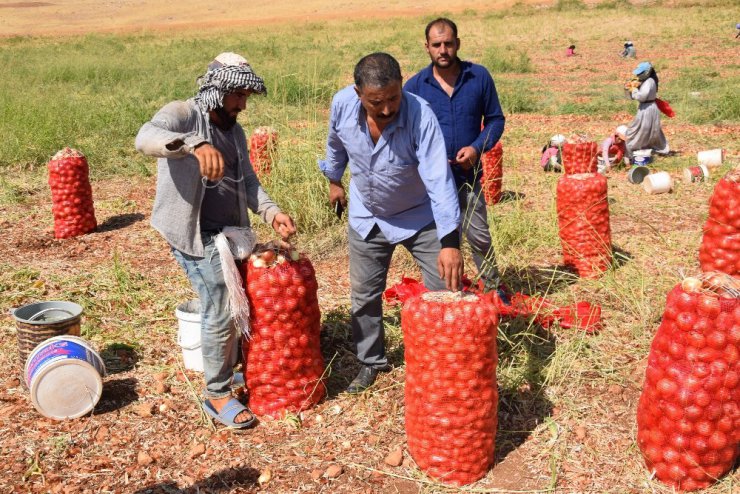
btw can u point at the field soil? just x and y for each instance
(148, 435)
(85, 16)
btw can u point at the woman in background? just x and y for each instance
(629, 50)
(645, 132)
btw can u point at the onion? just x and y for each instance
(691, 285)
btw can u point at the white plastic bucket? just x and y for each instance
(64, 377)
(658, 183)
(711, 158)
(696, 173)
(188, 336)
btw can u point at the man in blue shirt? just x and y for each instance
(401, 192)
(461, 95)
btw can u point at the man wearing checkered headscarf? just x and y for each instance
(205, 185)
(225, 74)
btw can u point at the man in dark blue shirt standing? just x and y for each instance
(462, 94)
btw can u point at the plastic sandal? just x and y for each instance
(229, 413)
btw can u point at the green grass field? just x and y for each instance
(94, 92)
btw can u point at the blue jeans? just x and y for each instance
(475, 229)
(217, 333)
(369, 260)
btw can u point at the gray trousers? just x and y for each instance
(475, 228)
(369, 260)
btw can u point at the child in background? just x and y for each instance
(570, 51)
(614, 147)
(552, 159)
(629, 50)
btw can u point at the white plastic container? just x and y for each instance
(696, 174)
(64, 376)
(188, 336)
(658, 183)
(711, 158)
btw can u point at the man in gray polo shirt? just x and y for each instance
(205, 183)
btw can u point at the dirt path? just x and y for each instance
(85, 16)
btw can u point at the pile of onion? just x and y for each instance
(581, 157)
(688, 416)
(583, 222)
(720, 246)
(493, 173)
(451, 394)
(262, 149)
(285, 367)
(71, 194)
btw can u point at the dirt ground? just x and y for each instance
(147, 434)
(84, 16)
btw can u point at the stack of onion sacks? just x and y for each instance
(688, 416)
(262, 149)
(493, 173)
(583, 221)
(720, 246)
(71, 194)
(283, 354)
(580, 157)
(451, 394)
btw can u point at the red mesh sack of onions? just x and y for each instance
(720, 246)
(583, 221)
(283, 354)
(262, 149)
(581, 157)
(493, 173)
(688, 416)
(451, 395)
(71, 194)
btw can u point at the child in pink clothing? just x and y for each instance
(570, 51)
(551, 159)
(614, 147)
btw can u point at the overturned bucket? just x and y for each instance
(658, 183)
(40, 321)
(711, 158)
(637, 174)
(64, 376)
(696, 173)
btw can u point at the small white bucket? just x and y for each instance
(64, 376)
(658, 183)
(696, 173)
(188, 336)
(711, 158)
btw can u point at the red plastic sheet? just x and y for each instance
(720, 246)
(283, 357)
(581, 315)
(71, 194)
(688, 416)
(451, 395)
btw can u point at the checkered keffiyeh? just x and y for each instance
(223, 79)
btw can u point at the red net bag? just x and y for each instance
(720, 246)
(580, 157)
(688, 416)
(493, 173)
(451, 394)
(283, 355)
(583, 221)
(262, 149)
(71, 194)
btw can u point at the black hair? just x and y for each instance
(378, 70)
(654, 76)
(441, 20)
(572, 47)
